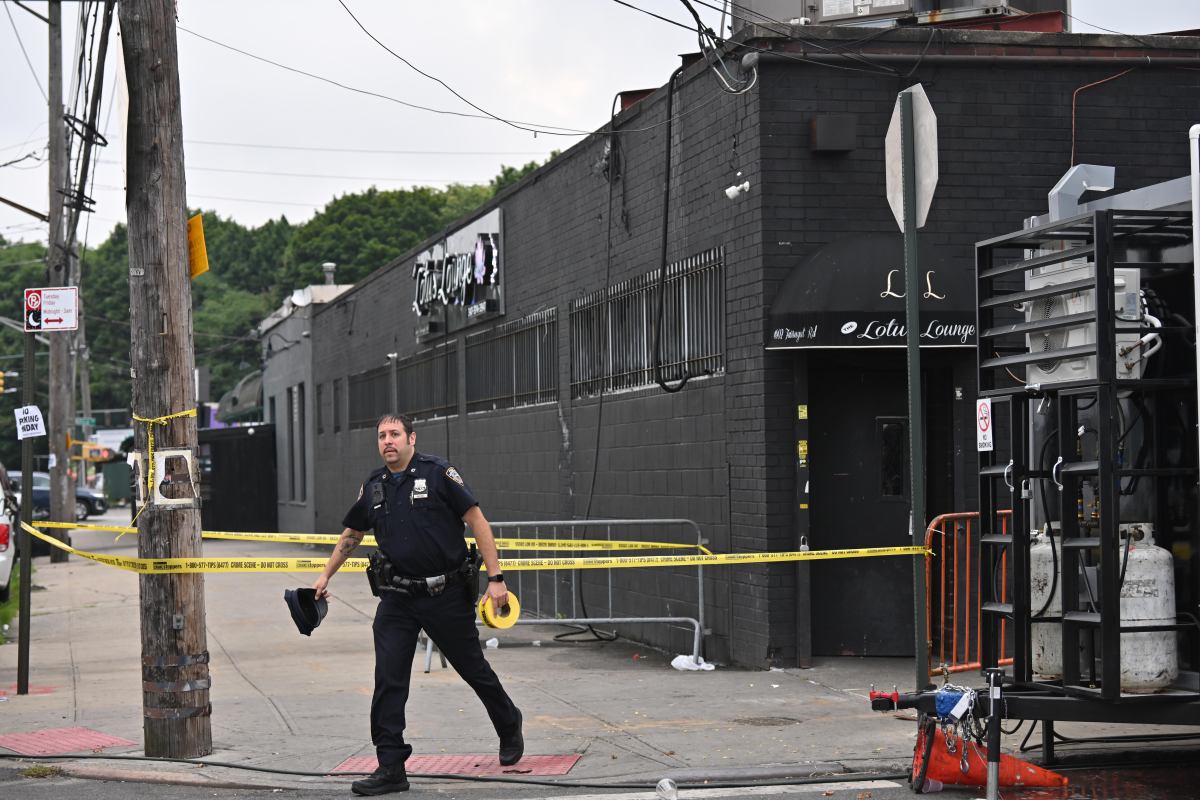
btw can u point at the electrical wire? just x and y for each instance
(856, 777)
(656, 16)
(318, 175)
(612, 174)
(433, 78)
(38, 160)
(21, 44)
(1136, 38)
(551, 130)
(831, 49)
(1075, 100)
(313, 149)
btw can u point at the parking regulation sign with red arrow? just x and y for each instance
(52, 309)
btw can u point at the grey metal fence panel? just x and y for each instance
(613, 596)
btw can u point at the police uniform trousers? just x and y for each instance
(449, 620)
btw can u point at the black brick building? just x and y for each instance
(782, 436)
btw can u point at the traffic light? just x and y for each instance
(1, 382)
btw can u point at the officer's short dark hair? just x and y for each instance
(403, 419)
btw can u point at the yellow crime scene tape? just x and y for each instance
(205, 564)
(332, 538)
(509, 612)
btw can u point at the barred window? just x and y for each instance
(612, 331)
(320, 408)
(515, 364)
(369, 397)
(338, 404)
(427, 382)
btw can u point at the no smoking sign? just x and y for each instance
(983, 425)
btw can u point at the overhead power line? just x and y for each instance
(551, 130)
(433, 78)
(548, 129)
(367, 151)
(32, 71)
(272, 173)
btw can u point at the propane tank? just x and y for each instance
(1044, 586)
(1149, 661)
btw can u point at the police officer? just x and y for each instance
(417, 504)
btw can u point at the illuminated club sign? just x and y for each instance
(456, 282)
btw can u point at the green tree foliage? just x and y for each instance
(251, 271)
(510, 175)
(22, 266)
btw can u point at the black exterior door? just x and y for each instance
(859, 498)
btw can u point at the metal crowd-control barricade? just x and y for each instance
(607, 596)
(952, 603)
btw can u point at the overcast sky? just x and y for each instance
(262, 142)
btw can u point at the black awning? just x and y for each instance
(850, 293)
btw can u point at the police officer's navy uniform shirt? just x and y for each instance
(419, 525)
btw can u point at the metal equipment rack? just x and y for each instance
(1106, 240)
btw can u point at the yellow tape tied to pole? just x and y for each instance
(150, 422)
(204, 564)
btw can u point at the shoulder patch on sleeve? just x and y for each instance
(360, 490)
(453, 475)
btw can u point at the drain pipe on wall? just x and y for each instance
(1194, 155)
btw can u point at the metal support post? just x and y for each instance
(993, 733)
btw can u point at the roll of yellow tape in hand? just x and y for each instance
(506, 618)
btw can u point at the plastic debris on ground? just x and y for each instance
(685, 663)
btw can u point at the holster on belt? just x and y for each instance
(381, 576)
(470, 573)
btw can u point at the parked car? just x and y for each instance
(87, 502)
(8, 553)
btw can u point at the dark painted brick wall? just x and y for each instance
(722, 451)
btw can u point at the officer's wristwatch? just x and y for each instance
(497, 578)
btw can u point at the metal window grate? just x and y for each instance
(369, 397)
(612, 331)
(338, 405)
(320, 404)
(515, 364)
(427, 382)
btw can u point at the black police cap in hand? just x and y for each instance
(307, 610)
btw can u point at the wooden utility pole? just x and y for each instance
(175, 676)
(80, 357)
(62, 500)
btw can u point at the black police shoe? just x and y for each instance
(512, 745)
(383, 780)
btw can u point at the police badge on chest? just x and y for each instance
(420, 490)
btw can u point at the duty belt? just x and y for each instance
(383, 578)
(432, 586)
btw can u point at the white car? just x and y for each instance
(8, 553)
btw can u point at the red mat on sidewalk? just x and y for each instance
(467, 765)
(59, 741)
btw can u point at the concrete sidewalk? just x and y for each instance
(282, 700)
